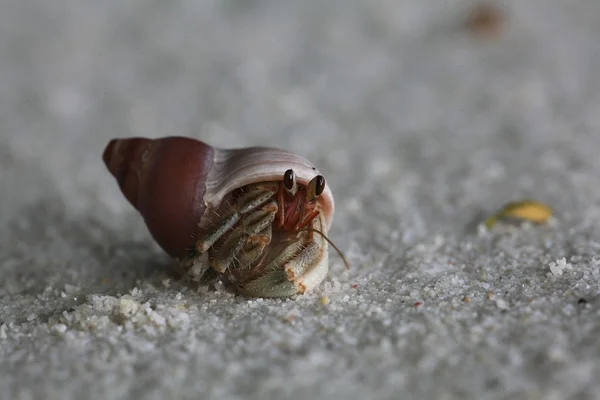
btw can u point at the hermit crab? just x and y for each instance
(257, 217)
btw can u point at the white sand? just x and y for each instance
(421, 131)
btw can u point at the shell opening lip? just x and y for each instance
(237, 167)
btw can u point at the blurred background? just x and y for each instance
(422, 115)
(361, 88)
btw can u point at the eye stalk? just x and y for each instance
(315, 188)
(289, 182)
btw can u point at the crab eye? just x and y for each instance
(320, 185)
(315, 188)
(289, 180)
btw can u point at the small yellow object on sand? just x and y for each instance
(529, 210)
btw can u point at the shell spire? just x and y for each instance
(165, 180)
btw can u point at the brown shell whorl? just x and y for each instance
(165, 180)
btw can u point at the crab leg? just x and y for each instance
(296, 269)
(251, 199)
(250, 229)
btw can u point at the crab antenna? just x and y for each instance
(331, 243)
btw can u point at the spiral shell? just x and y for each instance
(174, 181)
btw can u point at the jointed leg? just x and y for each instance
(253, 248)
(293, 270)
(253, 232)
(249, 200)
